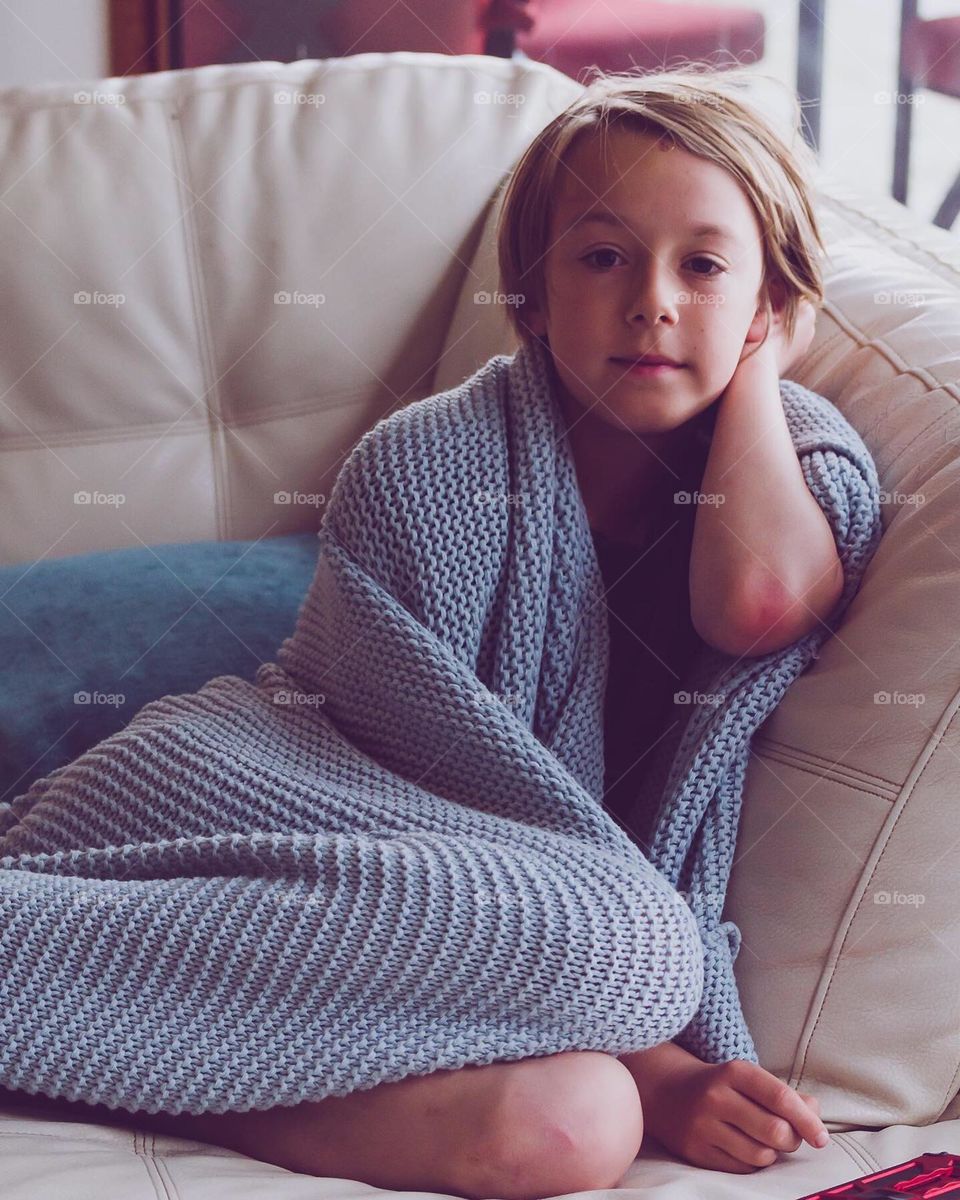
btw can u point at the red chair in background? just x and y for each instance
(567, 34)
(623, 35)
(222, 31)
(929, 58)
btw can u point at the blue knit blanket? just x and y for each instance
(388, 855)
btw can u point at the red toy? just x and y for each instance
(928, 1175)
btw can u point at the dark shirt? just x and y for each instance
(651, 642)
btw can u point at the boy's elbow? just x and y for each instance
(728, 633)
(770, 618)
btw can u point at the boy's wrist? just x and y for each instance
(654, 1068)
(758, 372)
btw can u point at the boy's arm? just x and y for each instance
(650, 1069)
(764, 569)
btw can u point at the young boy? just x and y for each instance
(599, 234)
(664, 242)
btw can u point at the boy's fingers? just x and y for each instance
(768, 1091)
(740, 1146)
(759, 1123)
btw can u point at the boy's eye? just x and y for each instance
(603, 250)
(709, 263)
(706, 268)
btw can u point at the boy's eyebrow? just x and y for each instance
(605, 217)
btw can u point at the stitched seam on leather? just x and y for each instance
(880, 781)
(882, 840)
(953, 1089)
(858, 1151)
(210, 398)
(60, 1136)
(169, 1186)
(118, 433)
(350, 398)
(150, 1166)
(899, 364)
(814, 764)
(830, 199)
(846, 330)
(124, 433)
(817, 773)
(938, 420)
(106, 436)
(950, 387)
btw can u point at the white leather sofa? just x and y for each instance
(215, 280)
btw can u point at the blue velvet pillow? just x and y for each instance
(86, 641)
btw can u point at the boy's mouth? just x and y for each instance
(650, 366)
(647, 360)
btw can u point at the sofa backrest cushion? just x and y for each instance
(214, 281)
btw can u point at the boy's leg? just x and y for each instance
(516, 1130)
(538, 1127)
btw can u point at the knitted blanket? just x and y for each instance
(388, 855)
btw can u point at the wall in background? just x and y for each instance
(54, 40)
(49, 41)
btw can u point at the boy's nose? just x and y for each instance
(658, 311)
(655, 300)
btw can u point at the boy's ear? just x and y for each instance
(534, 320)
(769, 309)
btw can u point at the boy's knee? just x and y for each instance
(573, 1123)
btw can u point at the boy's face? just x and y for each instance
(656, 286)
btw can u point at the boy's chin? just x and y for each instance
(667, 430)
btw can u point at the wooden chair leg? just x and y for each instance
(947, 212)
(810, 31)
(904, 103)
(901, 145)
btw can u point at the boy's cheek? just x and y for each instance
(709, 385)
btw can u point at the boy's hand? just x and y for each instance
(786, 353)
(732, 1116)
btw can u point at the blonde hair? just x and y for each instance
(699, 109)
